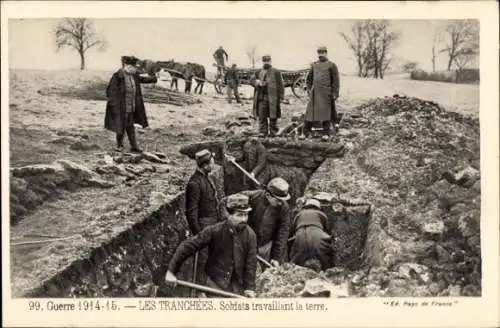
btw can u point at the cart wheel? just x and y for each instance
(219, 86)
(299, 88)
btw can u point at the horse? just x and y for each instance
(186, 71)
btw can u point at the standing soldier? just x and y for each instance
(219, 55)
(125, 105)
(232, 82)
(269, 93)
(232, 248)
(312, 241)
(270, 219)
(202, 203)
(323, 81)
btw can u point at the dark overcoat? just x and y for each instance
(275, 91)
(312, 241)
(229, 252)
(202, 202)
(323, 81)
(254, 160)
(115, 106)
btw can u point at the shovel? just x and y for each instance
(242, 170)
(208, 289)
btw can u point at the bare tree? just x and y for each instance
(436, 40)
(356, 44)
(253, 56)
(371, 43)
(78, 34)
(463, 42)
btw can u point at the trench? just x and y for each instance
(133, 264)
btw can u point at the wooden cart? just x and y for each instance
(296, 80)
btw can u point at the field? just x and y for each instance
(47, 124)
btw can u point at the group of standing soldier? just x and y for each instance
(231, 236)
(322, 81)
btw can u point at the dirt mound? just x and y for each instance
(291, 280)
(419, 166)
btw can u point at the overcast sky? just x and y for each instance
(291, 43)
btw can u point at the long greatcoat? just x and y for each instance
(323, 79)
(275, 91)
(115, 107)
(312, 242)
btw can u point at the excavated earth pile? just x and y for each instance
(419, 167)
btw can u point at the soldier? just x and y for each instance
(232, 248)
(125, 105)
(270, 219)
(269, 92)
(323, 81)
(232, 82)
(312, 240)
(202, 203)
(219, 55)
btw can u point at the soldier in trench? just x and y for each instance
(270, 219)
(254, 161)
(232, 248)
(202, 203)
(311, 243)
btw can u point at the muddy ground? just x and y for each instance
(48, 123)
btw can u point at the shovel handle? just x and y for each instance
(208, 289)
(264, 261)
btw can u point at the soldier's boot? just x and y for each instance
(263, 127)
(119, 141)
(273, 127)
(132, 140)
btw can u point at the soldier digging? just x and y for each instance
(202, 202)
(269, 92)
(323, 81)
(232, 248)
(270, 219)
(311, 245)
(125, 105)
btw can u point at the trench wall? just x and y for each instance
(133, 264)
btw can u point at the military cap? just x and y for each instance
(322, 49)
(203, 157)
(278, 188)
(129, 60)
(266, 58)
(311, 202)
(238, 202)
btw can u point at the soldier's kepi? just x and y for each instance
(232, 250)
